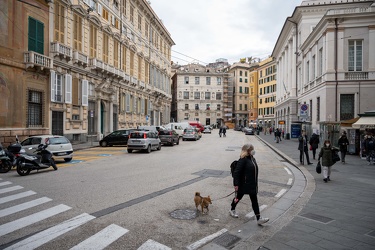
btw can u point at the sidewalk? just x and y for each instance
(339, 215)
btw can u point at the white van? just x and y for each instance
(178, 127)
(150, 128)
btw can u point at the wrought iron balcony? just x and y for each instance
(33, 59)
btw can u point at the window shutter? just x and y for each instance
(53, 84)
(100, 9)
(68, 88)
(85, 100)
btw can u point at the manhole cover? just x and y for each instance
(184, 214)
(317, 217)
(227, 240)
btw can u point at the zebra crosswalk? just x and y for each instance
(100, 240)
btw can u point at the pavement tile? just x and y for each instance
(331, 245)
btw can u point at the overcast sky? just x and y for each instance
(206, 30)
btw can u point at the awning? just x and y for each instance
(349, 123)
(365, 122)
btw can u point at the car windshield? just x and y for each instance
(58, 140)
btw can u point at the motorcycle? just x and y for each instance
(5, 161)
(42, 160)
(12, 152)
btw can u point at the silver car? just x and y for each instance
(143, 140)
(60, 146)
(190, 134)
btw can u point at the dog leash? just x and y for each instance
(225, 196)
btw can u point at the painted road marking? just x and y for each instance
(153, 245)
(290, 181)
(205, 240)
(16, 196)
(103, 238)
(251, 214)
(10, 189)
(23, 206)
(288, 171)
(279, 194)
(5, 183)
(31, 219)
(51, 233)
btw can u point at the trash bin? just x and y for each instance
(287, 136)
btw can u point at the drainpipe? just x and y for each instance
(336, 35)
(296, 54)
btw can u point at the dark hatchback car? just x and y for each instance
(118, 137)
(169, 137)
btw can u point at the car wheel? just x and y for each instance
(159, 147)
(148, 150)
(183, 139)
(103, 144)
(67, 159)
(130, 150)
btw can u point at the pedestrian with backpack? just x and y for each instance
(245, 181)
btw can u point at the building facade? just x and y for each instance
(266, 93)
(325, 58)
(101, 65)
(198, 94)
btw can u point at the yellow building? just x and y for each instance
(253, 115)
(266, 92)
(85, 67)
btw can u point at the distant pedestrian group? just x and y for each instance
(223, 131)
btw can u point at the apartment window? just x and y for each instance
(207, 95)
(115, 53)
(240, 79)
(355, 55)
(140, 23)
(196, 106)
(131, 63)
(197, 80)
(218, 107)
(131, 14)
(219, 80)
(186, 106)
(240, 107)
(93, 40)
(245, 73)
(208, 80)
(260, 91)
(260, 101)
(318, 109)
(123, 59)
(77, 32)
(307, 71)
(246, 90)
(240, 72)
(147, 72)
(245, 80)
(208, 106)
(36, 36)
(245, 107)
(186, 80)
(123, 6)
(56, 87)
(59, 22)
(91, 89)
(105, 14)
(197, 95)
(146, 31)
(240, 89)
(313, 68)
(34, 109)
(218, 95)
(346, 106)
(320, 62)
(310, 110)
(105, 47)
(140, 60)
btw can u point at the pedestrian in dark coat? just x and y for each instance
(326, 154)
(220, 131)
(314, 142)
(302, 147)
(343, 144)
(245, 181)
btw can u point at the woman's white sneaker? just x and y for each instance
(233, 213)
(262, 220)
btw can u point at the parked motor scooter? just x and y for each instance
(13, 152)
(42, 160)
(5, 162)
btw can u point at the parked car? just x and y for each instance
(190, 134)
(169, 137)
(118, 137)
(207, 130)
(249, 131)
(60, 146)
(143, 140)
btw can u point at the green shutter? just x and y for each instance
(36, 36)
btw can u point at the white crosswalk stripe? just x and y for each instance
(16, 196)
(5, 183)
(31, 219)
(102, 239)
(10, 189)
(49, 234)
(23, 206)
(153, 245)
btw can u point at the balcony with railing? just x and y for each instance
(80, 58)
(141, 84)
(61, 50)
(33, 59)
(356, 75)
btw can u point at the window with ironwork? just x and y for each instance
(35, 109)
(346, 106)
(318, 109)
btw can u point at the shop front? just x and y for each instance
(366, 126)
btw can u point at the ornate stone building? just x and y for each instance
(83, 67)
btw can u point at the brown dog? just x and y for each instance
(202, 201)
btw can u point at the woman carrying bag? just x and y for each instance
(326, 153)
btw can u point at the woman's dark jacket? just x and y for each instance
(245, 176)
(326, 155)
